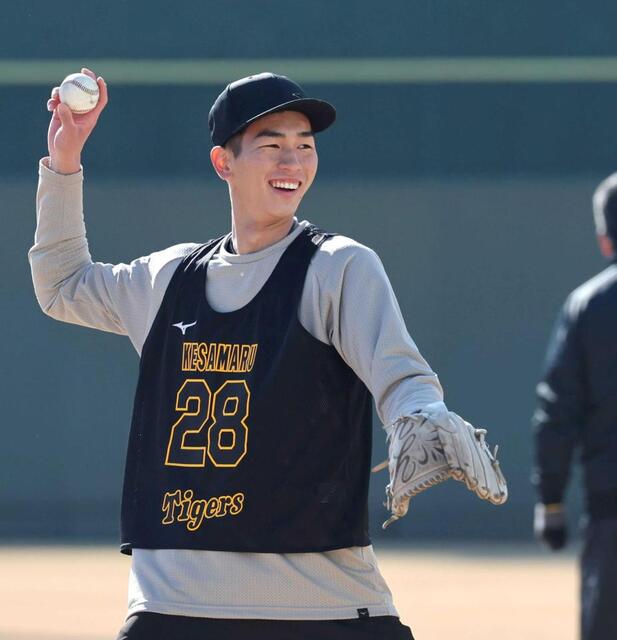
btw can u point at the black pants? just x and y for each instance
(599, 581)
(156, 626)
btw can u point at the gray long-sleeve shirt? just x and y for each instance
(347, 302)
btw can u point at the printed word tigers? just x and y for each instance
(180, 506)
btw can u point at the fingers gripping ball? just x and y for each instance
(79, 92)
(432, 446)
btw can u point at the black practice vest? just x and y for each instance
(248, 433)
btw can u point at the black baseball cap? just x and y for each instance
(247, 99)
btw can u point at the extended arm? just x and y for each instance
(428, 444)
(557, 424)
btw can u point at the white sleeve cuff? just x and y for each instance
(60, 179)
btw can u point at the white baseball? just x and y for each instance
(79, 92)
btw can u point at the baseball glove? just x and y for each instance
(429, 447)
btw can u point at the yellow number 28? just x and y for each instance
(211, 425)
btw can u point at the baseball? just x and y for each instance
(79, 92)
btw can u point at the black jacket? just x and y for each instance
(578, 398)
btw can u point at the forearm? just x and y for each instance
(60, 247)
(555, 443)
(556, 424)
(60, 259)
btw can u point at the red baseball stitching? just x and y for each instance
(91, 92)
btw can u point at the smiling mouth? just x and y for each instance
(285, 185)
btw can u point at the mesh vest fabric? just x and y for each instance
(248, 434)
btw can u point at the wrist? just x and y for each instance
(64, 165)
(549, 516)
(554, 507)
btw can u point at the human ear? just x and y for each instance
(220, 161)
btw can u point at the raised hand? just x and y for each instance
(68, 131)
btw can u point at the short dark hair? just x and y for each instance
(605, 208)
(234, 144)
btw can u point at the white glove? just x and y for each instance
(431, 446)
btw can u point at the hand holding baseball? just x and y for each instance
(69, 131)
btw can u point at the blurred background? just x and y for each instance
(469, 139)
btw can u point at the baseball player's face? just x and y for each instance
(275, 168)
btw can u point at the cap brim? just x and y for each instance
(321, 114)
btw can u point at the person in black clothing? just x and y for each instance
(577, 412)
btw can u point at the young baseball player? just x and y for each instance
(245, 492)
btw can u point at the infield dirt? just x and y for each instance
(447, 593)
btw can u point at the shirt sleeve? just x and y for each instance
(69, 286)
(561, 399)
(349, 303)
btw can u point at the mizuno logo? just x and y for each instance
(183, 327)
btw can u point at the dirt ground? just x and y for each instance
(447, 593)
